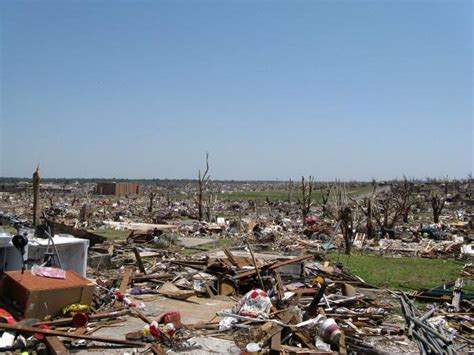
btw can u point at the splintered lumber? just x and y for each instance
(78, 233)
(231, 258)
(275, 345)
(36, 188)
(139, 260)
(279, 285)
(93, 317)
(141, 315)
(170, 290)
(139, 278)
(255, 265)
(294, 350)
(271, 329)
(156, 349)
(55, 346)
(312, 309)
(226, 288)
(125, 280)
(273, 266)
(342, 345)
(24, 328)
(304, 339)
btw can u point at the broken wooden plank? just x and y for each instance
(139, 260)
(171, 291)
(231, 258)
(125, 280)
(55, 346)
(139, 278)
(24, 328)
(78, 233)
(255, 265)
(93, 317)
(304, 339)
(275, 345)
(279, 285)
(156, 349)
(226, 288)
(274, 266)
(209, 291)
(342, 345)
(141, 315)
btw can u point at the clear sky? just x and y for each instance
(271, 89)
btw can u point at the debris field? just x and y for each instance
(200, 267)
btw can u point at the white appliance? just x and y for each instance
(72, 252)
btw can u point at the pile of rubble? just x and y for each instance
(229, 301)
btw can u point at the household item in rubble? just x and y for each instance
(5, 238)
(46, 271)
(80, 320)
(51, 255)
(6, 317)
(73, 252)
(329, 331)
(30, 296)
(253, 348)
(10, 258)
(255, 304)
(20, 242)
(75, 308)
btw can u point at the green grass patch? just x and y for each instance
(400, 273)
(113, 234)
(216, 244)
(8, 229)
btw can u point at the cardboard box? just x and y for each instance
(32, 296)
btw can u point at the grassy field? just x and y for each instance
(216, 244)
(400, 273)
(282, 195)
(113, 234)
(8, 229)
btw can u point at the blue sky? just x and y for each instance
(271, 89)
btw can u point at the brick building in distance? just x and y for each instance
(118, 188)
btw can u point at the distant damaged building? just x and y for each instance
(118, 188)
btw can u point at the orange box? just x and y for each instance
(30, 296)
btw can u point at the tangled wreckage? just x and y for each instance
(237, 276)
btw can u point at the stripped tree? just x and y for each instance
(367, 209)
(306, 197)
(325, 198)
(151, 199)
(387, 212)
(203, 180)
(438, 201)
(289, 187)
(341, 210)
(437, 204)
(403, 192)
(36, 197)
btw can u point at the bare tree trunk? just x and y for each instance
(437, 203)
(370, 227)
(151, 197)
(36, 197)
(306, 197)
(346, 226)
(325, 199)
(202, 182)
(290, 190)
(209, 204)
(51, 200)
(405, 215)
